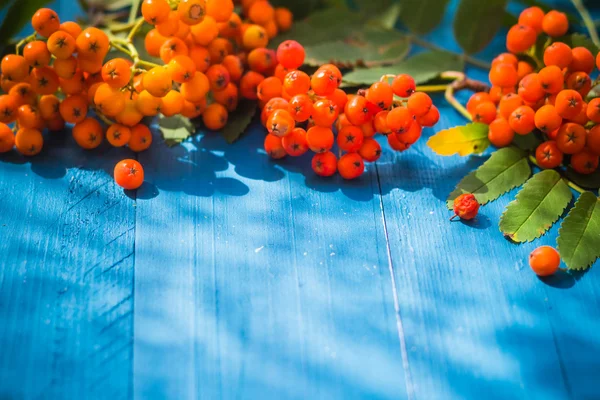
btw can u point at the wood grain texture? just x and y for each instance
(257, 280)
(66, 275)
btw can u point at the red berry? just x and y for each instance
(466, 206)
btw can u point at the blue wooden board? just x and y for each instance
(229, 275)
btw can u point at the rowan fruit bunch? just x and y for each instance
(302, 113)
(550, 100)
(210, 57)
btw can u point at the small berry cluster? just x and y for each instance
(209, 55)
(549, 100)
(303, 112)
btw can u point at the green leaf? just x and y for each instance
(19, 14)
(300, 9)
(421, 16)
(462, 140)
(175, 129)
(369, 47)
(588, 181)
(536, 208)
(239, 121)
(506, 169)
(527, 142)
(388, 18)
(423, 67)
(578, 235)
(476, 23)
(372, 6)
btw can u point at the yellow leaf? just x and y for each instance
(461, 140)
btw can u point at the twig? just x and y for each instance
(135, 28)
(587, 21)
(428, 45)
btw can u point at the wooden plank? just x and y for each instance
(66, 274)
(256, 278)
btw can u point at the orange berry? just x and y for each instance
(232, 27)
(547, 119)
(531, 89)
(593, 110)
(324, 164)
(72, 28)
(172, 47)
(7, 138)
(283, 18)
(419, 104)
(205, 32)
(108, 100)
(229, 97)
(249, 84)
(522, 120)
(585, 162)
(29, 117)
(61, 45)
(429, 119)
(508, 104)
(295, 144)
(505, 58)
(398, 120)
(191, 12)
(351, 166)
(544, 261)
(548, 155)
(568, 103)
(319, 139)
(92, 42)
(15, 68)
(520, 38)
(169, 27)
(130, 116)
(350, 139)
(118, 135)
(201, 58)
(193, 110)
(215, 116)
(280, 123)
(485, 113)
(500, 133)
(261, 12)
(73, 85)
(274, 146)
(300, 107)
(218, 78)
(116, 72)
(380, 123)
(23, 94)
(551, 78)
(476, 99)
(129, 174)
(44, 80)
(218, 49)
(45, 22)
(403, 85)
(503, 75)
(255, 36)
(8, 108)
(49, 106)
(532, 17)
(153, 42)
(558, 54)
(157, 81)
(74, 108)
(172, 103)
(147, 104)
(29, 142)
(582, 60)
(65, 68)
(220, 10)
(593, 139)
(580, 82)
(141, 138)
(155, 11)
(396, 143)
(291, 54)
(571, 138)
(523, 69)
(196, 89)
(36, 53)
(88, 133)
(234, 66)
(370, 151)
(555, 23)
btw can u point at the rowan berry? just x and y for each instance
(568, 103)
(9, 106)
(193, 110)
(158, 82)
(235, 67)
(496, 93)
(276, 103)
(262, 60)
(419, 104)
(201, 58)
(249, 84)
(531, 89)
(503, 75)
(324, 113)
(220, 10)
(6, 84)
(593, 140)
(153, 42)
(324, 164)
(280, 123)
(580, 82)
(92, 42)
(544, 261)
(399, 120)
(319, 139)
(370, 151)
(108, 100)
(508, 104)
(290, 54)
(29, 142)
(555, 23)
(61, 45)
(74, 108)
(172, 103)
(582, 60)
(74, 85)
(380, 123)
(505, 58)
(296, 82)
(585, 162)
(7, 138)
(170, 26)
(350, 138)
(593, 110)
(15, 68)
(571, 138)
(116, 72)
(192, 12)
(71, 27)
(274, 146)
(339, 98)
(520, 38)
(65, 68)
(551, 78)
(155, 11)
(89, 64)
(129, 174)
(547, 119)
(172, 47)
(49, 106)
(45, 22)
(36, 53)
(218, 49)
(300, 107)
(254, 37)
(23, 94)
(283, 18)
(485, 113)
(44, 80)
(476, 99)
(118, 135)
(412, 135)
(403, 85)
(351, 166)
(548, 155)
(465, 206)
(359, 110)
(431, 118)
(205, 32)
(558, 54)
(523, 69)
(141, 138)
(532, 17)
(522, 120)
(29, 117)
(500, 133)
(261, 12)
(581, 118)
(395, 142)
(295, 144)
(88, 133)
(218, 78)
(232, 27)
(229, 97)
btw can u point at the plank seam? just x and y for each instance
(399, 325)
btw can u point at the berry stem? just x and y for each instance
(24, 41)
(103, 117)
(587, 21)
(431, 88)
(120, 48)
(134, 10)
(471, 60)
(135, 29)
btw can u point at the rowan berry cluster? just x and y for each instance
(303, 112)
(208, 54)
(549, 100)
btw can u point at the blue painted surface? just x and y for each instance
(229, 275)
